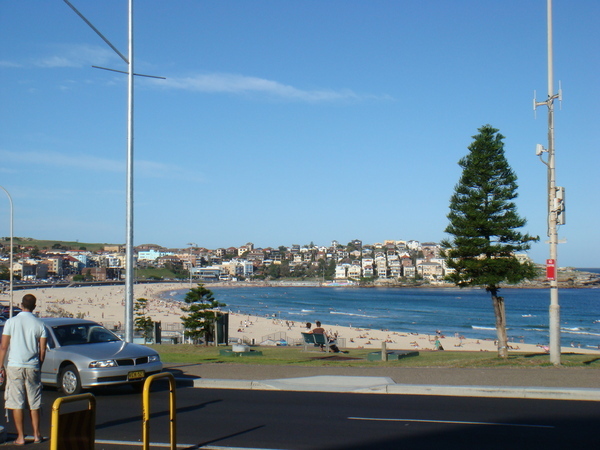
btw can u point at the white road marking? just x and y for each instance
(455, 422)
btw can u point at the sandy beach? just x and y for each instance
(105, 304)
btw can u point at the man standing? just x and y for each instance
(26, 337)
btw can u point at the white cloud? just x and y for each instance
(55, 159)
(152, 169)
(143, 168)
(10, 64)
(240, 84)
(69, 55)
(78, 55)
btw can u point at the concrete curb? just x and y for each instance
(540, 393)
(384, 385)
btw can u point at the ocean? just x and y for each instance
(468, 312)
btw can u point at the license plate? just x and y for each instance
(136, 375)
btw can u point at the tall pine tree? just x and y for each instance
(483, 225)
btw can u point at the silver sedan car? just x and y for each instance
(83, 354)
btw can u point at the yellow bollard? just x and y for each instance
(146, 409)
(75, 430)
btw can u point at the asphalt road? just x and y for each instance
(214, 418)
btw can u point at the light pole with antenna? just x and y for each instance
(556, 206)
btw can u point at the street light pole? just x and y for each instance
(129, 271)
(10, 313)
(129, 263)
(552, 219)
(192, 244)
(555, 203)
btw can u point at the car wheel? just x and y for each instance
(69, 382)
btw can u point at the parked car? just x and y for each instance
(82, 354)
(5, 314)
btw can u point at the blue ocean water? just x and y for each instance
(468, 312)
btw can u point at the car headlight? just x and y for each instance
(153, 358)
(103, 363)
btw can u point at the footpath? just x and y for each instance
(543, 383)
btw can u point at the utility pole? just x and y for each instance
(129, 269)
(129, 261)
(556, 207)
(192, 245)
(10, 262)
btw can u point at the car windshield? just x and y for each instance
(82, 333)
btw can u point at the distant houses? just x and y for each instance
(388, 262)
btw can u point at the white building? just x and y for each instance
(151, 255)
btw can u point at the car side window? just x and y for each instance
(61, 335)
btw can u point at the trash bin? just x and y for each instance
(222, 329)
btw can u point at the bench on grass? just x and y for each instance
(316, 340)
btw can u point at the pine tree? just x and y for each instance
(483, 225)
(142, 322)
(200, 321)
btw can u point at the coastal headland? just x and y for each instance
(106, 305)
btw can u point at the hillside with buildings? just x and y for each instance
(390, 263)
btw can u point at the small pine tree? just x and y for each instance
(143, 323)
(199, 323)
(483, 224)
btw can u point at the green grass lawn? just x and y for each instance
(184, 353)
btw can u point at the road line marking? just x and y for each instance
(138, 443)
(168, 445)
(455, 422)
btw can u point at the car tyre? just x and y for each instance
(69, 382)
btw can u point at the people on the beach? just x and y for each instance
(320, 330)
(438, 345)
(26, 337)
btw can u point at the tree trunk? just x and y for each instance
(500, 315)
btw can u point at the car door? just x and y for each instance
(52, 361)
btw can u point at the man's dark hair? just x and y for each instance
(28, 302)
(318, 323)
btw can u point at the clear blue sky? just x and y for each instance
(287, 122)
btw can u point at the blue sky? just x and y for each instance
(286, 122)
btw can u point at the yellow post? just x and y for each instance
(172, 409)
(76, 429)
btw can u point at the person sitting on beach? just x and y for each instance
(438, 345)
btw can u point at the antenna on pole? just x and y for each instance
(560, 94)
(555, 201)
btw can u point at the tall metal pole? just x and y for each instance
(10, 276)
(552, 205)
(192, 244)
(129, 270)
(129, 264)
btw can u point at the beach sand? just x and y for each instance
(105, 304)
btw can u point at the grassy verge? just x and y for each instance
(358, 358)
